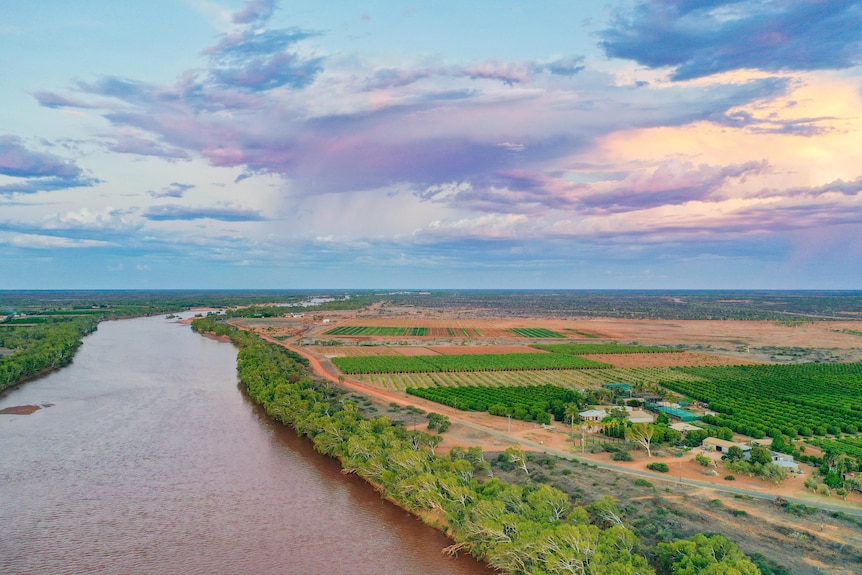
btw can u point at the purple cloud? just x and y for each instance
(701, 38)
(670, 184)
(173, 190)
(128, 144)
(170, 212)
(40, 171)
(255, 12)
(17, 161)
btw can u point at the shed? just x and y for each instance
(722, 445)
(683, 427)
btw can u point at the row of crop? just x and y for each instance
(378, 331)
(602, 348)
(536, 332)
(469, 362)
(850, 445)
(528, 403)
(805, 400)
(573, 378)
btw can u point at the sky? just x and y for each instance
(490, 144)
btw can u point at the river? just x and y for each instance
(149, 458)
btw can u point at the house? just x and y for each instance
(592, 419)
(722, 445)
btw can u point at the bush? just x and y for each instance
(622, 456)
(660, 467)
(640, 482)
(729, 478)
(703, 459)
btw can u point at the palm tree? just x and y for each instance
(572, 411)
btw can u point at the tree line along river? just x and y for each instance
(147, 457)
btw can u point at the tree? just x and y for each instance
(641, 433)
(735, 453)
(517, 457)
(702, 555)
(760, 455)
(572, 412)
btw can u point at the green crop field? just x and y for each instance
(529, 403)
(471, 362)
(570, 378)
(536, 332)
(587, 348)
(799, 399)
(379, 331)
(850, 445)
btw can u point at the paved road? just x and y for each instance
(324, 368)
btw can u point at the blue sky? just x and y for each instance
(487, 144)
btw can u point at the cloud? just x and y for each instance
(257, 59)
(699, 38)
(671, 183)
(37, 171)
(130, 144)
(17, 161)
(255, 12)
(168, 212)
(42, 241)
(173, 190)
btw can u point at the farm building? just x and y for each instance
(674, 412)
(640, 416)
(722, 445)
(683, 427)
(784, 460)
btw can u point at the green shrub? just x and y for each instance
(660, 467)
(729, 478)
(640, 482)
(622, 456)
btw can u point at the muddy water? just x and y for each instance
(148, 458)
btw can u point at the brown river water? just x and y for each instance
(148, 458)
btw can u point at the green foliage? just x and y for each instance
(759, 455)
(703, 460)
(795, 399)
(468, 362)
(660, 467)
(735, 453)
(536, 332)
(641, 482)
(622, 455)
(378, 331)
(438, 422)
(703, 555)
(46, 345)
(530, 403)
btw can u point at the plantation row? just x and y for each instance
(590, 348)
(803, 399)
(536, 332)
(573, 378)
(379, 331)
(486, 362)
(528, 403)
(850, 445)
